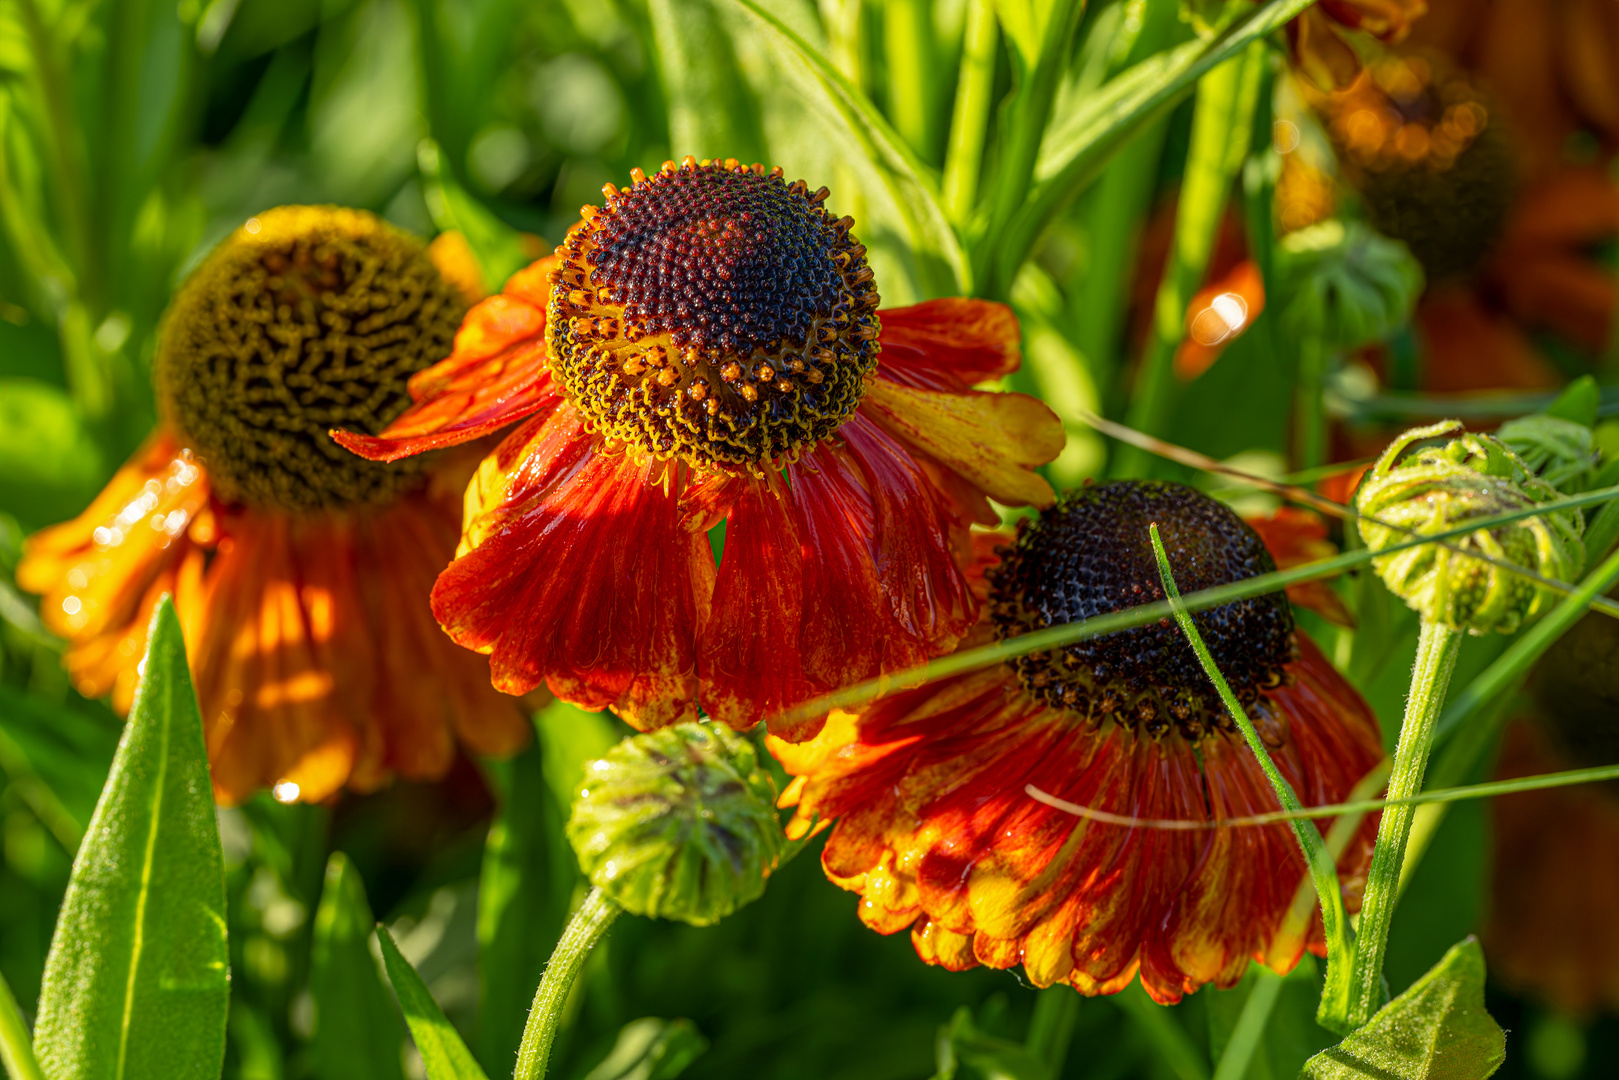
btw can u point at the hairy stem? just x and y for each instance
(1437, 647)
(587, 927)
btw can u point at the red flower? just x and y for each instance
(297, 571)
(935, 829)
(707, 350)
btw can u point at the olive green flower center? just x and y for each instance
(714, 313)
(1090, 555)
(303, 320)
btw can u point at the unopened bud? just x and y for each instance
(678, 823)
(1345, 284)
(1438, 488)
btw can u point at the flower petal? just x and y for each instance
(993, 440)
(575, 572)
(949, 344)
(496, 375)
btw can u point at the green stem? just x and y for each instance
(1311, 413)
(1055, 1010)
(1324, 871)
(1437, 647)
(1250, 1029)
(907, 44)
(970, 120)
(16, 1050)
(587, 927)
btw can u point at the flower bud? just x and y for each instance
(1345, 284)
(678, 823)
(1438, 488)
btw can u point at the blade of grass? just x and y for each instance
(969, 122)
(1250, 1029)
(1169, 1040)
(444, 1055)
(1334, 920)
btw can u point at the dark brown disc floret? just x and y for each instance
(714, 313)
(1091, 555)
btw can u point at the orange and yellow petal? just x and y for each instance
(992, 440)
(950, 343)
(1295, 536)
(575, 572)
(496, 376)
(937, 833)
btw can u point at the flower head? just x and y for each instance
(1438, 488)
(298, 571)
(706, 348)
(934, 825)
(678, 824)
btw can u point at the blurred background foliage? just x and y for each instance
(136, 133)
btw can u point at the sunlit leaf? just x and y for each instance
(357, 1031)
(15, 1052)
(1436, 1030)
(942, 263)
(137, 984)
(711, 113)
(651, 1049)
(443, 1053)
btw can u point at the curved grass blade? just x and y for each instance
(137, 982)
(444, 1055)
(15, 1052)
(1075, 150)
(357, 1034)
(940, 256)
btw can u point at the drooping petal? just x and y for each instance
(993, 440)
(1295, 536)
(950, 343)
(496, 376)
(574, 571)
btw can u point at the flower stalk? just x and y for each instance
(587, 927)
(1437, 648)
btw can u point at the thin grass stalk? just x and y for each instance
(969, 121)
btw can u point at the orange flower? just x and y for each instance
(1316, 39)
(1295, 536)
(935, 829)
(707, 349)
(1549, 925)
(299, 572)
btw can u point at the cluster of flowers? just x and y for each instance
(702, 468)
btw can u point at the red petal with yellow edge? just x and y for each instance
(497, 375)
(949, 344)
(994, 441)
(935, 830)
(911, 545)
(576, 573)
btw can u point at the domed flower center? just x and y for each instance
(1090, 555)
(304, 320)
(1417, 140)
(714, 313)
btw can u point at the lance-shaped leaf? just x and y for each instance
(16, 1055)
(444, 1055)
(1436, 1030)
(357, 1034)
(137, 983)
(651, 1049)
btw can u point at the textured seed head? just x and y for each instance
(722, 276)
(307, 318)
(1090, 555)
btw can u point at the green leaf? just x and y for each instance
(1075, 150)
(137, 982)
(943, 266)
(651, 1049)
(711, 111)
(15, 1053)
(529, 875)
(357, 1032)
(1578, 402)
(444, 1055)
(1436, 1030)
(498, 247)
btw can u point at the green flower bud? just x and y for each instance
(1344, 284)
(1436, 489)
(678, 823)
